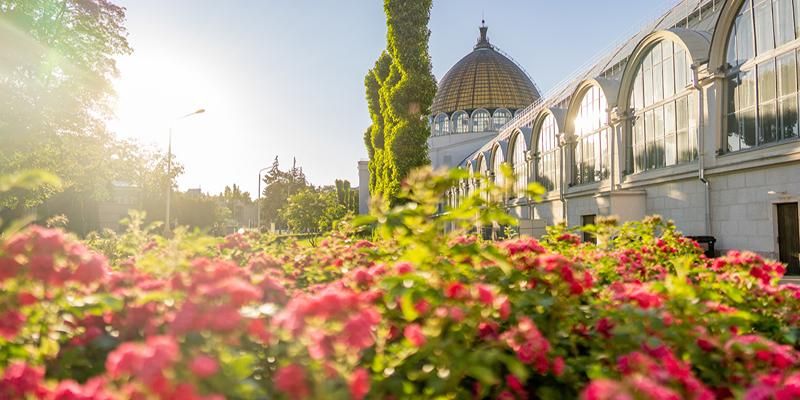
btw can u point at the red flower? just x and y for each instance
(455, 290)
(204, 366)
(413, 333)
(10, 324)
(292, 381)
(359, 384)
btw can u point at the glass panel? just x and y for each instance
(787, 74)
(748, 124)
(788, 109)
(747, 90)
(658, 138)
(733, 137)
(648, 83)
(693, 124)
(766, 81)
(764, 28)
(731, 51)
(658, 82)
(767, 123)
(784, 21)
(669, 78)
(680, 71)
(682, 122)
(745, 42)
(637, 92)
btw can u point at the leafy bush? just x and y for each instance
(412, 313)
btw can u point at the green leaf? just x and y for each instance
(407, 306)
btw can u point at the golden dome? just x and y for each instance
(484, 78)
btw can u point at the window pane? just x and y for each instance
(680, 71)
(658, 82)
(787, 74)
(766, 81)
(669, 78)
(748, 123)
(788, 109)
(744, 36)
(648, 84)
(747, 90)
(733, 137)
(764, 34)
(731, 51)
(784, 21)
(767, 123)
(693, 124)
(637, 87)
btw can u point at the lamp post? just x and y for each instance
(167, 224)
(258, 202)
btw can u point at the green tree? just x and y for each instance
(56, 93)
(346, 195)
(399, 131)
(313, 210)
(279, 186)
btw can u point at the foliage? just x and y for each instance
(412, 313)
(405, 86)
(347, 196)
(313, 210)
(56, 83)
(279, 186)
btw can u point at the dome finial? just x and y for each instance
(483, 40)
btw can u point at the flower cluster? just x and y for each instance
(644, 314)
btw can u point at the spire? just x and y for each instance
(483, 41)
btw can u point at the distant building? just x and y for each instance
(694, 118)
(125, 196)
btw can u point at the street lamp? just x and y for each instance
(169, 169)
(258, 202)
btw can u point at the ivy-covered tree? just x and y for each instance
(405, 87)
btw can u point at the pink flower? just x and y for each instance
(485, 294)
(91, 270)
(605, 389)
(94, 389)
(413, 333)
(204, 366)
(292, 381)
(404, 267)
(10, 324)
(359, 384)
(20, 380)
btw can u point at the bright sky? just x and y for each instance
(285, 77)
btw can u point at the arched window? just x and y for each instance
(500, 117)
(441, 125)
(460, 122)
(591, 152)
(665, 109)
(481, 121)
(520, 166)
(547, 154)
(762, 81)
(497, 161)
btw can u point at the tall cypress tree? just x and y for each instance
(405, 89)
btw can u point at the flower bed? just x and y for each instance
(412, 313)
